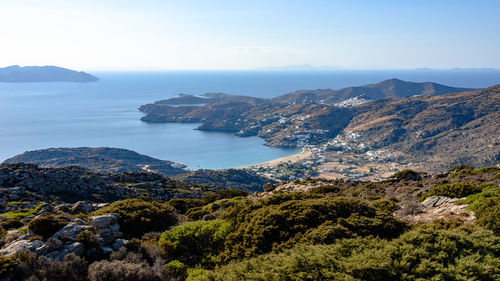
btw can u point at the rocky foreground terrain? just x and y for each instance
(72, 224)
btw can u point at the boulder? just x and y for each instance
(103, 221)
(18, 246)
(106, 227)
(63, 208)
(268, 187)
(14, 235)
(82, 207)
(70, 231)
(119, 243)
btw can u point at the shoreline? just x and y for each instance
(305, 153)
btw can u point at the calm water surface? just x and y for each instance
(44, 115)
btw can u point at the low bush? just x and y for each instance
(325, 189)
(385, 205)
(407, 175)
(475, 200)
(222, 194)
(176, 270)
(182, 205)
(137, 216)
(8, 267)
(485, 170)
(22, 213)
(195, 243)
(453, 190)
(47, 224)
(416, 255)
(265, 225)
(196, 213)
(488, 214)
(124, 271)
(11, 223)
(88, 238)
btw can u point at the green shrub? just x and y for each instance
(176, 270)
(88, 238)
(47, 224)
(22, 213)
(182, 205)
(8, 266)
(385, 205)
(223, 193)
(326, 233)
(3, 233)
(485, 170)
(475, 200)
(460, 170)
(406, 175)
(325, 189)
(196, 213)
(453, 190)
(265, 225)
(11, 223)
(137, 216)
(196, 242)
(488, 214)
(416, 255)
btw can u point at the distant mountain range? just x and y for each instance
(392, 88)
(19, 74)
(301, 67)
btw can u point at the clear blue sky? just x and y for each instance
(220, 34)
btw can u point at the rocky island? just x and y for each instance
(48, 73)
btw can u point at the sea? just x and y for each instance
(105, 113)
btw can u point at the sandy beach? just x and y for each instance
(305, 153)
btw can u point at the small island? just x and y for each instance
(48, 73)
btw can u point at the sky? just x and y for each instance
(237, 35)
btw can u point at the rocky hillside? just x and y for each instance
(230, 178)
(18, 74)
(100, 160)
(75, 183)
(453, 128)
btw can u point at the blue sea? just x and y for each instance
(43, 115)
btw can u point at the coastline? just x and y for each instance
(305, 153)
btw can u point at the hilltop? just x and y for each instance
(100, 160)
(23, 74)
(392, 88)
